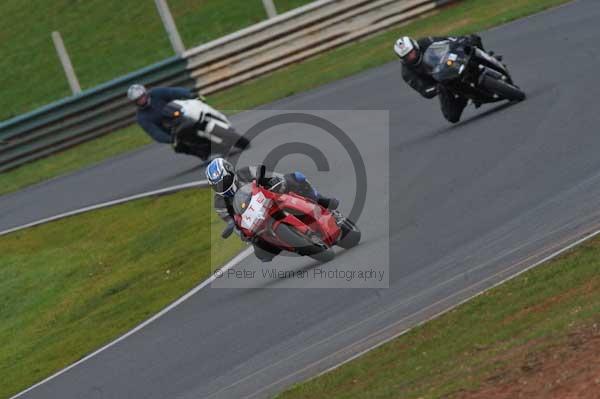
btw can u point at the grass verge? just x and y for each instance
(509, 342)
(464, 17)
(105, 39)
(68, 287)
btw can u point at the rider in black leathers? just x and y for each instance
(414, 73)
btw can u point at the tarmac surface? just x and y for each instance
(449, 211)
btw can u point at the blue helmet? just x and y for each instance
(221, 177)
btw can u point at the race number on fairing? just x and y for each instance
(255, 213)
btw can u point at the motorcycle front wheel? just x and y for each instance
(305, 246)
(503, 89)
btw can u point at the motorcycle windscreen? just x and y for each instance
(242, 198)
(443, 61)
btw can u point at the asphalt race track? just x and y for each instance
(469, 205)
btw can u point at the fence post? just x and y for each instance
(270, 8)
(169, 24)
(66, 62)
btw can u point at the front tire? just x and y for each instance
(316, 249)
(324, 256)
(503, 89)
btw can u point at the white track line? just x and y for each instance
(415, 314)
(248, 251)
(173, 305)
(238, 258)
(536, 264)
(396, 323)
(201, 183)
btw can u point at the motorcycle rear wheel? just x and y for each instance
(351, 234)
(231, 138)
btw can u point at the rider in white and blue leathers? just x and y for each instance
(225, 181)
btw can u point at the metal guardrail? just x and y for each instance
(293, 37)
(209, 68)
(82, 117)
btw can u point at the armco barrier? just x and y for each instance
(73, 120)
(295, 36)
(209, 68)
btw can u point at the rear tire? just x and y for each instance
(351, 235)
(231, 138)
(503, 89)
(242, 143)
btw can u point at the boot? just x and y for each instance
(328, 203)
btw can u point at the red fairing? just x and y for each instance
(302, 213)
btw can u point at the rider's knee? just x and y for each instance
(299, 177)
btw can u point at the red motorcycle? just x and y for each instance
(291, 222)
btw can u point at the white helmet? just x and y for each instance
(408, 50)
(135, 92)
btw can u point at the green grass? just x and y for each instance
(489, 337)
(105, 39)
(464, 17)
(68, 287)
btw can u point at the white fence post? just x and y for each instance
(270, 8)
(169, 23)
(66, 62)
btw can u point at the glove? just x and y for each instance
(475, 41)
(475, 38)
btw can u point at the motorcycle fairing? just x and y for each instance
(301, 213)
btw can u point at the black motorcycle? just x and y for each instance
(470, 72)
